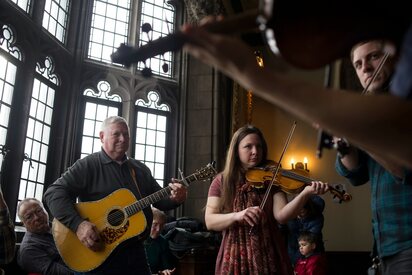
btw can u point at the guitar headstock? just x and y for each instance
(203, 173)
(206, 172)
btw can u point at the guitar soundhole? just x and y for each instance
(115, 217)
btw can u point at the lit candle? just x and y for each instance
(305, 161)
(292, 163)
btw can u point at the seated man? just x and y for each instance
(160, 258)
(37, 252)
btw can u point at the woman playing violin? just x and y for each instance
(252, 242)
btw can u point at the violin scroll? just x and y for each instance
(339, 193)
(127, 55)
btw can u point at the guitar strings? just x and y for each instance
(117, 216)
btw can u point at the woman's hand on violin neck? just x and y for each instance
(251, 215)
(317, 188)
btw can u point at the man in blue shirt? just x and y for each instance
(391, 187)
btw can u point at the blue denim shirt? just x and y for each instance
(391, 204)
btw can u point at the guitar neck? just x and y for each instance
(147, 201)
(155, 197)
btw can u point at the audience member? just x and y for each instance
(310, 219)
(161, 260)
(37, 252)
(310, 262)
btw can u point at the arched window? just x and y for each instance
(9, 56)
(38, 131)
(150, 145)
(98, 106)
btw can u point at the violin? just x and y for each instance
(308, 37)
(290, 181)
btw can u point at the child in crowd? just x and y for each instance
(311, 262)
(160, 258)
(309, 219)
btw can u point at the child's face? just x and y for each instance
(306, 248)
(157, 227)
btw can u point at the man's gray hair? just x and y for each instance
(112, 120)
(26, 200)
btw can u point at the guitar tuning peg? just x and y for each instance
(147, 72)
(146, 27)
(165, 67)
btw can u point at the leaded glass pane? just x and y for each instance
(161, 16)
(109, 28)
(23, 4)
(150, 140)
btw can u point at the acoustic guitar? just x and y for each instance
(118, 217)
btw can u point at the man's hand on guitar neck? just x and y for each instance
(178, 192)
(88, 235)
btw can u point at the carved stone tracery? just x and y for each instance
(197, 9)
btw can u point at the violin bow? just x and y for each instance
(265, 197)
(375, 73)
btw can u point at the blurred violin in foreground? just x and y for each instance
(290, 181)
(310, 37)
